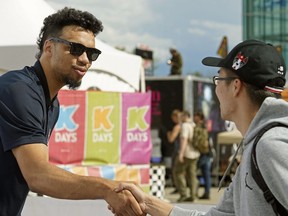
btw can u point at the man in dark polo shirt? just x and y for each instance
(29, 109)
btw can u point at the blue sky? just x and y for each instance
(194, 27)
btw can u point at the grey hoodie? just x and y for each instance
(243, 197)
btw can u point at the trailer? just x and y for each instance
(190, 93)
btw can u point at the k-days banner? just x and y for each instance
(67, 141)
(135, 128)
(101, 128)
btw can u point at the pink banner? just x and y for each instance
(136, 141)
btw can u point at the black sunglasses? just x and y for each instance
(78, 49)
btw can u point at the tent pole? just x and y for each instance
(142, 80)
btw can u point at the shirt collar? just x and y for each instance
(43, 81)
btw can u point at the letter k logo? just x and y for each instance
(101, 118)
(66, 120)
(136, 118)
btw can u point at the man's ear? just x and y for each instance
(47, 47)
(237, 87)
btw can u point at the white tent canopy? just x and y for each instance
(21, 22)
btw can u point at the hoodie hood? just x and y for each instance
(271, 110)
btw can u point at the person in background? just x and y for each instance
(29, 109)
(173, 137)
(93, 88)
(175, 62)
(166, 152)
(248, 86)
(186, 162)
(204, 162)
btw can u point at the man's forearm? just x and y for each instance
(158, 207)
(59, 183)
(66, 185)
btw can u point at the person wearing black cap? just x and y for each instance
(248, 87)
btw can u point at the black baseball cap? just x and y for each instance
(256, 63)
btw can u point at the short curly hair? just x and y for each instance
(54, 24)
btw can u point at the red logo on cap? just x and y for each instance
(239, 61)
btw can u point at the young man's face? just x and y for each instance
(67, 68)
(224, 94)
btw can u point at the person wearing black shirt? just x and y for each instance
(29, 109)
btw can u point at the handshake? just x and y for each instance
(140, 203)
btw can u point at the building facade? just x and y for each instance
(267, 20)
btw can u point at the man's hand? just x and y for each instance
(137, 192)
(149, 204)
(122, 202)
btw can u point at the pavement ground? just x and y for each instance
(215, 196)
